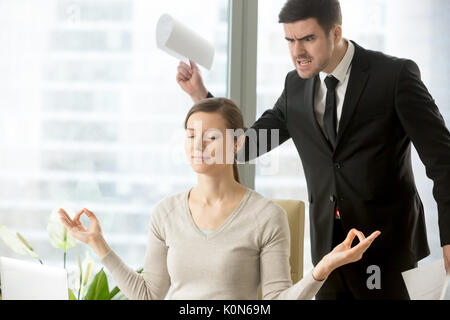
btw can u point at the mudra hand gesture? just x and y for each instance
(92, 235)
(344, 254)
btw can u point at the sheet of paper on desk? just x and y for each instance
(427, 282)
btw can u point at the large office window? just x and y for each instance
(404, 28)
(91, 115)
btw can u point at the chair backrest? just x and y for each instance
(295, 210)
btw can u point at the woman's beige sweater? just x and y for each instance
(249, 250)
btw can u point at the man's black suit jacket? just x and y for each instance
(369, 175)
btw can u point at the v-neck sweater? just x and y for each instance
(249, 250)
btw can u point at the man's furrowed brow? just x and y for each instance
(301, 39)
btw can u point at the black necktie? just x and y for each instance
(330, 116)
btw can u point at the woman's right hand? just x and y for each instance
(92, 236)
(76, 229)
(190, 80)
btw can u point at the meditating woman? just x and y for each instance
(218, 240)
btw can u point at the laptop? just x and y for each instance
(23, 280)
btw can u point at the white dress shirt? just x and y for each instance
(342, 73)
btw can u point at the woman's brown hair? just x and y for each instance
(230, 113)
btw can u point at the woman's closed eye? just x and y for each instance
(205, 139)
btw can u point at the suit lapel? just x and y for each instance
(357, 82)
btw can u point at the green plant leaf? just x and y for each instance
(119, 296)
(71, 295)
(98, 289)
(113, 292)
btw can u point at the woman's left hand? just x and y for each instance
(344, 253)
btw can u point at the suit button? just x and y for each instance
(332, 198)
(338, 165)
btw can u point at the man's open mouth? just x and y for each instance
(304, 62)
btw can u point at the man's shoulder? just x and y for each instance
(379, 60)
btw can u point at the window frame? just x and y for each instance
(242, 68)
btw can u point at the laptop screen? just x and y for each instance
(23, 280)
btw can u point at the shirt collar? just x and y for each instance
(341, 71)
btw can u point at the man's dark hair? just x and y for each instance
(327, 12)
